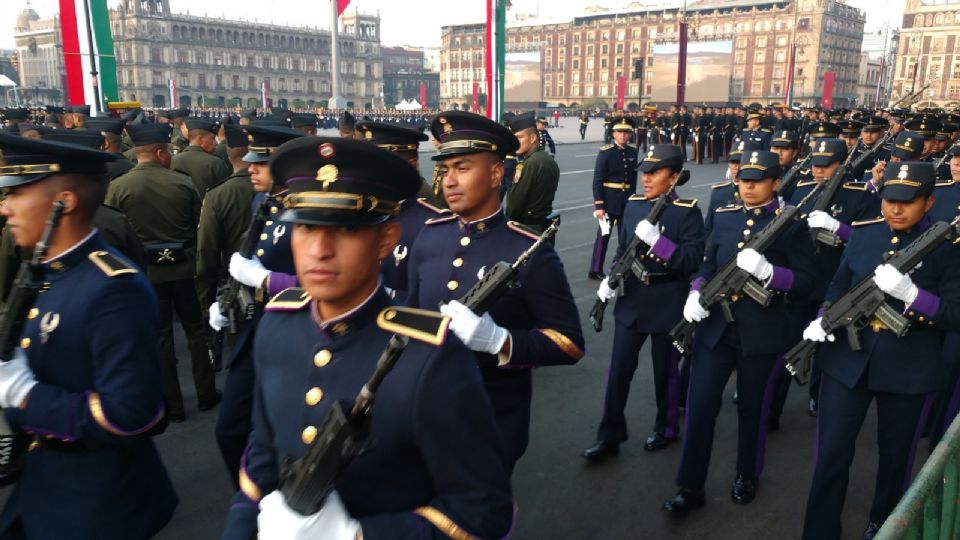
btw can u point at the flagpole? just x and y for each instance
(336, 99)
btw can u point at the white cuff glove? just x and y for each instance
(604, 225)
(277, 521)
(692, 310)
(16, 380)
(897, 285)
(647, 232)
(250, 272)
(815, 332)
(605, 293)
(478, 333)
(755, 263)
(819, 219)
(218, 321)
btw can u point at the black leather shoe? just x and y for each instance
(656, 442)
(596, 276)
(870, 531)
(601, 450)
(176, 417)
(812, 407)
(743, 490)
(684, 501)
(206, 405)
(773, 424)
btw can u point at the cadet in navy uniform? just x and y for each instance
(907, 146)
(751, 344)
(786, 143)
(871, 132)
(653, 306)
(434, 466)
(85, 381)
(725, 193)
(946, 194)
(928, 296)
(753, 133)
(268, 272)
(614, 181)
(533, 324)
(414, 212)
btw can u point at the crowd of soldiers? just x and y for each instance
(335, 248)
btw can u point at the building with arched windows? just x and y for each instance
(928, 53)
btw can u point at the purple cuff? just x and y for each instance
(781, 279)
(663, 248)
(844, 232)
(926, 303)
(820, 311)
(278, 281)
(871, 187)
(698, 283)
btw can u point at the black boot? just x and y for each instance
(685, 500)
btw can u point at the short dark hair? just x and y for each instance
(90, 189)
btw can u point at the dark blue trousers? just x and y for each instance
(234, 421)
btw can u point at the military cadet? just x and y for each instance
(786, 144)
(414, 211)
(726, 193)
(111, 129)
(750, 345)
(534, 324)
(928, 296)
(267, 273)
(946, 193)
(85, 380)
(197, 160)
(607, 124)
(164, 208)
(926, 126)
(850, 133)
(681, 128)
(347, 125)
(651, 307)
(584, 120)
(75, 116)
(907, 146)
(307, 123)
(753, 133)
(873, 129)
(614, 181)
(178, 138)
(435, 469)
(224, 217)
(544, 138)
(529, 199)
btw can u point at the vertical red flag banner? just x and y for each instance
(423, 96)
(621, 90)
(342, 6)
(475, 103)
(826, 99)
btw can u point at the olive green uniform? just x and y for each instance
(530, 198)
(225, 217)
(206, 170)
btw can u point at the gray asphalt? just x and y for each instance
(557, 494)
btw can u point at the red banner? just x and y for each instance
(475, 104)
(341, 6)
(826, 99)
(621, 90)
(423, 96)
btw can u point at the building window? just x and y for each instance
(762, 41)
(604, 49)
(603, 63)
(756, 89)
(781, 41)
(778, 72)
(605, 36)
(739, 58)
(576, 50)
(780, 56)
(760, 57)
(589, 63)
(619, 48)
(576, 63)
(757, 72)
(589, 50)
(953, 91)
(589, 91)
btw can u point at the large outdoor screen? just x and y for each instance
(523, 76)
(709, 64)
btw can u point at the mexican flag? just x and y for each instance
(788, 89)
(88, 57)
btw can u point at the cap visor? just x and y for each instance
(898, 193)
(333, 218)
(19, 180)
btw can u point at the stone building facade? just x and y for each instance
(404, 71)
(39, 58)
(583, 58)
(928, 53)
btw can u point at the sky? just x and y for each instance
(402, 23)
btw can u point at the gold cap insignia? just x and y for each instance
(823, 146)
(328, 175)
(326, 150)
(249, 138)
(784, 135)
(903, 172)
(368, 134)
(907, 141)
(740, 146)
(755, 157)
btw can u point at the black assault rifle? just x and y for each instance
(26, 288)
(731, 281)
(235, 301)
(866, 303)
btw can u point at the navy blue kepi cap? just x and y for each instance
(468, 133)
(390, 136)
(759, 165)
(827, 152)
(28, 160)
(661, 156)
(907, 180)
(265, 138)
(340, 182)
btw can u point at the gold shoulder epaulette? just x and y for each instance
(868, 221)
(804, 183)
(686, 203)
(523, 229)
(804, 171)
(426, 204)
(419, 324)
(606, 147)
(945, 183)
(856, 186)
(110, 264)
(720, 185)
(292, 299)
(729, 208)
(442, 219)
(637, 197)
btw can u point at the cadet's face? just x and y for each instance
(822, 173)
(260, 177)
(786, 154)
(869, 137)
(955, 167)
(471, 184)
(26, 208)
(753, 123)
(756, 193)
(339, 266)
(658, 182)
(620, 137)
(904, 215)
(939, 146)
(528, 140)
(928, 146)
(734, 168)
(851, 141)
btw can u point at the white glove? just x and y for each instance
(897, 285)
(755, 263)
(815, 332)
(217, 320)
(277, 521)
(692, 310)
(250, 272)
(818, 219)
(16, 380)
(647, 232)
(477, 333)
(605, 293)
(604, 225)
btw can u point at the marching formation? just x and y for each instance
(380, 331)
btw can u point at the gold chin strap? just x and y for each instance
(23, 170)
(340, 201)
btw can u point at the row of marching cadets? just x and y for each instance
(882, 191)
